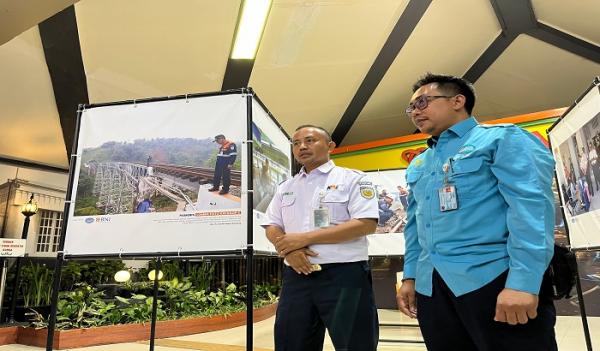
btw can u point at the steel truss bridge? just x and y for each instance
(119, 186)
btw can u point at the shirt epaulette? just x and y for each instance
(357, 171)
(499, 125)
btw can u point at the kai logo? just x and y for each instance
(464, 152)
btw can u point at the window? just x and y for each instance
(49, 233)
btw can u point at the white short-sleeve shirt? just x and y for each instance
(347, 194)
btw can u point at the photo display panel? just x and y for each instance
(575, 141)
(392, 200)
(146, 173)
(271, 165)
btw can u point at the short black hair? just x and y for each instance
(316, 127)
(450, 85)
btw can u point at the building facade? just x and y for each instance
(44, 232)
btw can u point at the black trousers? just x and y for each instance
(222, 171)
(339, 298)
(467, 322)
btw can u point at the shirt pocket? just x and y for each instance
(287, 208)
(337, 204)
(412, 180)
(466, 176)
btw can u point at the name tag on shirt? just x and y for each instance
(448, 201)
(321, 217)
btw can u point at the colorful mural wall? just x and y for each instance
(397, 152)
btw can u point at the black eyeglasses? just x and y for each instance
(422, 102)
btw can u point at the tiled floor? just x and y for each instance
(569, 335)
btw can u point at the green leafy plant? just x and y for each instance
(36, 285)
(170, 269)
(83, 307)
(138, 309)
(86, 306)
(89, 272)
(202, 274)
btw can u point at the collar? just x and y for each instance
(459, 129)
(324, 168)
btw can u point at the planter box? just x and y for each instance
(8, 335)
(113, 334)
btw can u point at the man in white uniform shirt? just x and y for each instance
(318, 221)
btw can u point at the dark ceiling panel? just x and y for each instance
(60, 39)
(566, 42)
(11, 161)
(237, 73)
(402, 30)
(489, 56)
(515, 17)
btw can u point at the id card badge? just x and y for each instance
(448, 200)
(321, 217)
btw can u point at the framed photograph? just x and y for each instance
(575, 142)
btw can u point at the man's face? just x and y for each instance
(440, 113)
(311, 148)
(220, 141)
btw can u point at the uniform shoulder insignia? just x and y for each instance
(367, 191)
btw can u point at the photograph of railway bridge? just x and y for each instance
(158, 175)
(159, 156)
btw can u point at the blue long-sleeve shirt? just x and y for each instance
(505, 217)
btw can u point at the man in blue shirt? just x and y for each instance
(479, 232)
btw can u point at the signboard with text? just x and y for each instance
(12, 247)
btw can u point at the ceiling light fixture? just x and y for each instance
(250, 28)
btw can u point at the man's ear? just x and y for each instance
(459, 102)
(331, 145)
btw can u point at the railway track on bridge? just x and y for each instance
(195, 174)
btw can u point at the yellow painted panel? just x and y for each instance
(400, 155)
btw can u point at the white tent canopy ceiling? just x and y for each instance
(347, 65)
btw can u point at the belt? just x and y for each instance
(319, 267)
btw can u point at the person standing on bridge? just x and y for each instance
(225, 159)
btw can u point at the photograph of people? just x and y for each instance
(579, 175)
(392, 199)
(225, 160)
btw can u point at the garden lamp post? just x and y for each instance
(29, 209)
